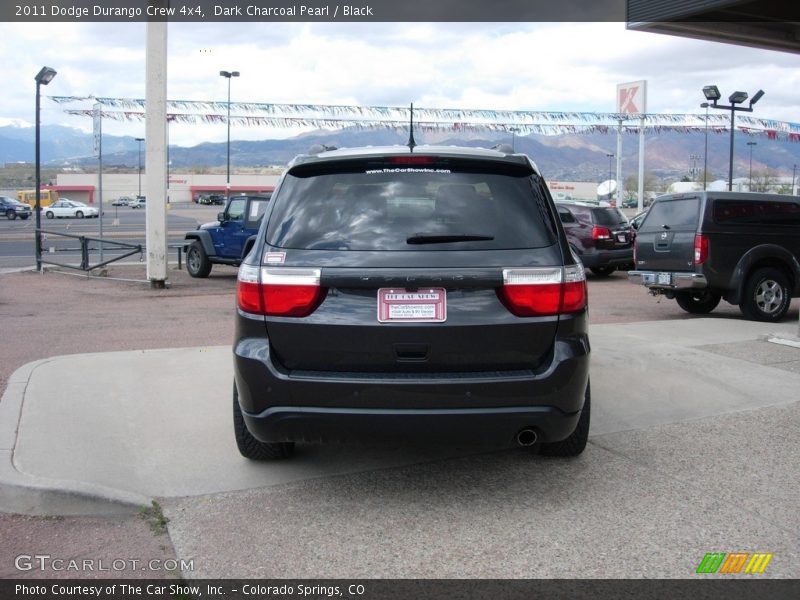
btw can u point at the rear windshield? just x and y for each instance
(676, 214)
(461, 205)
(609, 217)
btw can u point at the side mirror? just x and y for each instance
(221, 217)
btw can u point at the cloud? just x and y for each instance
(524, 66)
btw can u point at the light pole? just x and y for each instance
(711, 93)
(705, 153)
(610, 163)
(140, 140)
(750, 178)
(43, 77)
(228, 75)
(693, 170)
(794, 172)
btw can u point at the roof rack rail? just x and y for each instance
(318, 148)
(504, 148)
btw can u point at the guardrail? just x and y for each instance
(85, 248)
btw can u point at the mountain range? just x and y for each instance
(568, 157)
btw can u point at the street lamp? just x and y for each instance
(711, 92)
(43, 77)
(228, 75)
(750, 182)
(140, 140)
(705, 153)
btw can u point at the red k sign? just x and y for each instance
(632, 98)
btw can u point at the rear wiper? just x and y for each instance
(441, 238)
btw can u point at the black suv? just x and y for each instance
(11, 208)
(600, 236)
(701, 247)
(394, 292)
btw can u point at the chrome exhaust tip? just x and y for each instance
(527, 437)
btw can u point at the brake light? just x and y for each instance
(700, 249)
(412, 160)
(601, 233)
(278, 292)
(546, 291)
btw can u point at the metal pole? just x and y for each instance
(99, 117)
(640, 202)
(619, 164)
(705, 154)
(794, 171)
(750, 177)
(38, 190)
(140, 140)
(228, 179)
(730, 164)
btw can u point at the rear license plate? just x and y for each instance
(420, 306)
(621, 237)
(665, 278)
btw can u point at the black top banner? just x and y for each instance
(313, 10)
(512, 11)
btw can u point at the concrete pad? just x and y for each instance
(158, 423)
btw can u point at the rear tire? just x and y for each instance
(603, 271)
(197, 263)
(576, 442)
(698, 302)
(250, 447)
(11, 215)
(766, 295)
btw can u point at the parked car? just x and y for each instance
(636, 221)
(227, 240)
(599, 235)
(11, 208)
(69, 208)
(401, 292)
(122, 201)
(701, 247)
(139, 202)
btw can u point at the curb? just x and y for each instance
(26, 494)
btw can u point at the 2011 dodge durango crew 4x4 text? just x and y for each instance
(702, 247)
(408, 291)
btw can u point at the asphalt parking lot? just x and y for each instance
(692, 449)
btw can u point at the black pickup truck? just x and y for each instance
(701, 247)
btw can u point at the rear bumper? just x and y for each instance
(608, 258)
(491, 407)
(498, 427)
(666, 280)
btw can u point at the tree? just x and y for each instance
(764, 180)
(631, 183)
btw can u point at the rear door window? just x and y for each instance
(609, 217)
(382, 205)
(675, 214)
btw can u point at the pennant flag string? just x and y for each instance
(448, 116)
(430, 126)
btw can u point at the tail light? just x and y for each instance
(700, 249)
(546, 291)
(601, 233)
(278, 292)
